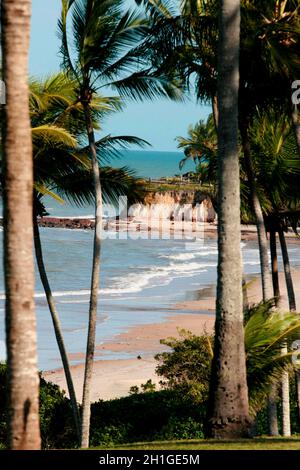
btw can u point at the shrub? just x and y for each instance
(165, 414)
(56, 419)
(187, 366)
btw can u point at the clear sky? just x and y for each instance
(158, 122)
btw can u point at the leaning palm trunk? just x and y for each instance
(23, 379)
(215, 111)
(295, 119)
(286, 423)
(56, 324)
(90, 350)
(287, 272)
(274, 264)
(263, 254)
(259, 218)
(228, 407)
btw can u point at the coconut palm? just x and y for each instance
(23, 380)
(269, 63)
(277, 167)
(296, 123)
(201, 143)
(270, 35)
(103, 51)
(201, 147)
(62, 169)
(228, 408)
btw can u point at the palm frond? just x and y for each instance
(52, 135)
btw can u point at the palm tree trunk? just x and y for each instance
(297, 377)
(274, 264)
(90, 350)
(215, 111)
(272, 401)
(23, 379)
(285, 396)
(263, 253)
(287, 272)
(292, 306)
(259, 218)
(228, 407)
(56, 325)
(295, 119)
(272, 412)
(245, 296)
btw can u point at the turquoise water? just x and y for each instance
(141, 280)
(152, 164)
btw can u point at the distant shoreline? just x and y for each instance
(248, 232)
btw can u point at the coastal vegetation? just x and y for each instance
(239, 57)
(178, 410)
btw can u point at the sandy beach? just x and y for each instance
(113, 378)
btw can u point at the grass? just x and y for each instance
(164, 187)
(292, 443)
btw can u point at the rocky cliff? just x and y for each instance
(175, 205)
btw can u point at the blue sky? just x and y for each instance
(158, 122)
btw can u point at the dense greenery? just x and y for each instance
(57, 428)
(168, 416)
(178, 411)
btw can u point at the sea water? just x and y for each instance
(141, 280)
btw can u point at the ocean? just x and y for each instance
(153, 164)
(141, 280)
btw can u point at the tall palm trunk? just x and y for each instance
(86, 405)
(23, 379)
(272, 401)
(266, 281)
(259, 218)
(274, 264)
(228, 408)
(292, 307)
(56, 325)
(295, 119)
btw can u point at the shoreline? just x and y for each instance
(112, 378)
(136, 224)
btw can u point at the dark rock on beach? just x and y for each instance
(66, 223)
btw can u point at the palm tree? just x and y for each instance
(201, 147)
(228, 408)
(269, 34)
(296, 124)
(23, 380)
(269, 64)
(105, 53)
(201, 143)
(62, 169)
(277, 170)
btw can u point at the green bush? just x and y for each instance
(165, 414)
(57, 429)
(187, 366)
(181, 428)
